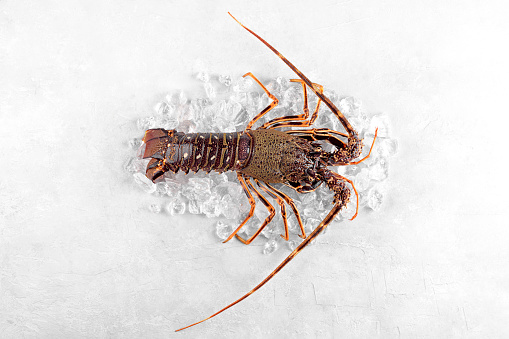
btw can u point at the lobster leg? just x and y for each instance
(325, 222)
(301, 119)
(290, 202)
(314, 134)
(281, 204)
(273, 104)
(266, 221)
(251, 202)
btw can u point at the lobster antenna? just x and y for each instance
(327, 101)
(332, 214)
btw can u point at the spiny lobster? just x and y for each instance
(267, 156)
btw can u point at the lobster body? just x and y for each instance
(268, 155)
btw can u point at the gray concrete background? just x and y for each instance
(81, 255)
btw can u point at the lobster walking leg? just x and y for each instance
(290, 202)
(251, 202)
(281, 203)
(273, 104)
(301, 119)
(266, 221)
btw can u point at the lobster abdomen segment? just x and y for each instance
(174, 151)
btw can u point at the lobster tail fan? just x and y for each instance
(154, 134)
(156, 143)
(155, 148)
(155, 169)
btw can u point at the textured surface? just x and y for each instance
(81, 255)
(268, 150)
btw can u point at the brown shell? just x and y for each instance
(269, 148)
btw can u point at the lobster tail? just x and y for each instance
(156, 141)
(174, 151)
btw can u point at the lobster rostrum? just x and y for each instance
(267, 156)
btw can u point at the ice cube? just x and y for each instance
(176, 206)
(223, 230)
(242, 118)
(270, 246)
(274, 228)
(380, 121)
(362, 180)
(167, 122)
(135, 143)
(162, 188)
(380, 170)
(388, 147)
(218, 178)
(182, 98)
(310, 224)
(251, 226)
(293, 224)
(292, 97)
(229, 208)
(243, 84)
(146, 123)
(331, 94)
(144, 183)
(210, 90)
(173, 188)
(349, 210)
(134, 164)
(225, 80)
(308, 198)
(375, 199)
(311, 211)
(201, 184)
(211, 207)
(261, 211)
(203, 76)
(292, 244)
(155, 208)
(350, 106)
(189, 192)
(194, 207)
(164, 108)
(283, 82)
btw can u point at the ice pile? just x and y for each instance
(227, 107)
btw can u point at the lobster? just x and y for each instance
(267, 156)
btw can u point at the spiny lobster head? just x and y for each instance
(302, 164)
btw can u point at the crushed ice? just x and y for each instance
(228, 106)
